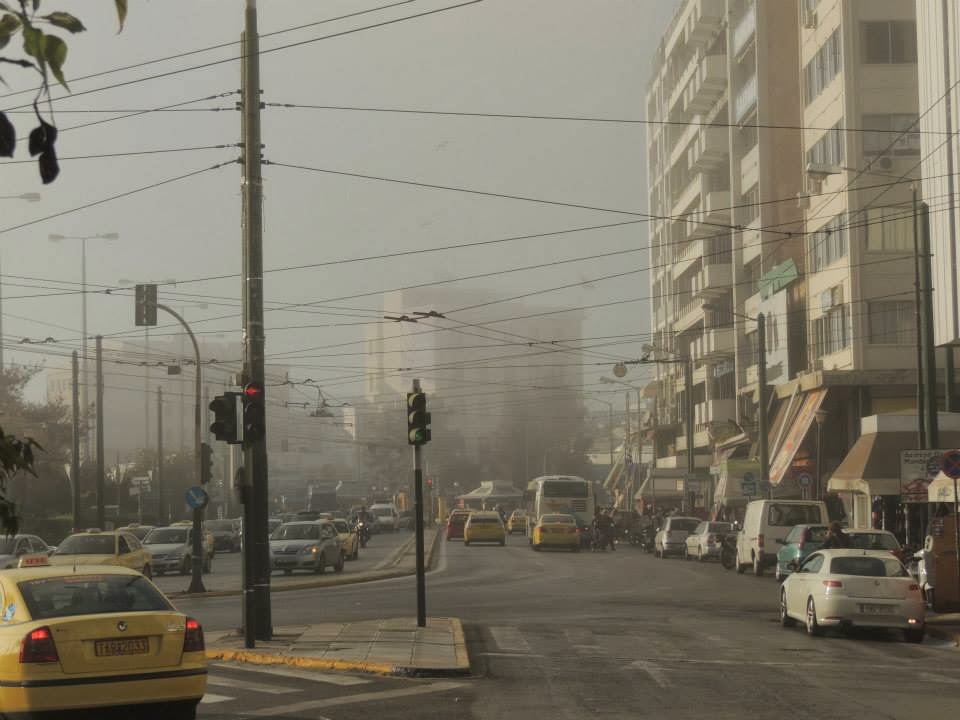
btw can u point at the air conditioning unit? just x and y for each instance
(822, 170)
(810, 19)
(884, 162)
(803, 200)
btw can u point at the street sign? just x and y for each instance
(951, 464)
(805, 480)
(197, 497)
(146, 305)
(748, 487)
(748, 477)
(693, 486)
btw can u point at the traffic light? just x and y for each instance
(254, 413)
(206, 463)
(225, 427)
(418, 419)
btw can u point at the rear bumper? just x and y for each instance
(294, 562)
(485, 538)
(845, 611)
(166, 565)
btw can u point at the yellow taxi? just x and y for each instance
(95, 547)
(348, 538)
(484, 527)
(95, 637)
(556, 531)
(517, 522)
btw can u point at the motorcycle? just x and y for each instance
(648, 539)
(728, 551)
(363, 533)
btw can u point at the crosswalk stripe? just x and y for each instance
(222, 681)
(211, 698)
(320, 677)
(509, 639)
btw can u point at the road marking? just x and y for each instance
(211, 698)
(512, 655)
(221, 681)
(509, 639)
(280, 711)
(655, 672)
(937, 678)
(329, 678)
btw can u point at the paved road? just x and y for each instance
(558, 635)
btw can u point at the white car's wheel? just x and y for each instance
(785, 619)
(813, 627)
(740, 566)
(700, 554)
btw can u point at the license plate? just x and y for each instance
(876, 609)
(125, 646)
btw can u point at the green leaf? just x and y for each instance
(66, 21)
(4, 6)
(55, 52)
(121, 12)
(9, 23)
(36, 5)
(33, 40)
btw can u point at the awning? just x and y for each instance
(662, 483)
(797, 419)
(941, 489)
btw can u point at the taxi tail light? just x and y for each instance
(914, 587)
(193, 637)
(38, 647)
(832, 584)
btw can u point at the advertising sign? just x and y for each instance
(918, 468)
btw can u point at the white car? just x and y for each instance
(672, 537)
(853, 588)
(706, 540)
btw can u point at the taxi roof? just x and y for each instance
(44, 571)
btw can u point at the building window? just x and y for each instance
(750, 206)
(897, 134)
(823, 67)
(889, 229)
(889, 42)
(892, 323)
(828, 150)
(831, 331)
(829, 243)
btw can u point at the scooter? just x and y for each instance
(363, 532)
(648, 539)
(728, 551)
(924, 574)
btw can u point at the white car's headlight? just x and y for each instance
(310, 549)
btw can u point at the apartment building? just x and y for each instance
(777, 164)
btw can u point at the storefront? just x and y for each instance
(663, 490)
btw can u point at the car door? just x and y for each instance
(788, 549)
(695, 539)
(802, 581)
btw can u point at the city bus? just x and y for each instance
(565, 494)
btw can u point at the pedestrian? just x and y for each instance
(836, 537)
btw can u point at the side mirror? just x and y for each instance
(793, 566)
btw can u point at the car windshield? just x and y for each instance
(382, 512)
(297, 531)
(683, 524)
(219, 525)
(341, 526)
(816, 534)
(785, 515)
(565, 488)
(719, 527)
(458, 518)
(167, 536)
(867, 566)
(87, 545)
(873, 541)
(52, 597)
(484, 520)
(139, 532)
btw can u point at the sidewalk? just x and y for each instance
(944, 625)
(388, 647)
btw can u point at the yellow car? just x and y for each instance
(93, 547)
(556, 531)
(484, 527)
(94, 638)
(348, 538)
(517, 522)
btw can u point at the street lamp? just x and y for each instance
(821, 417)
(762, 436)
(57, 237)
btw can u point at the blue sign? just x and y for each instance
(951, 464)
(197, 497)
(805, 480)
(748, 487)
(748, 477)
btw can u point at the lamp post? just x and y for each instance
(56, 237)
(821, 417)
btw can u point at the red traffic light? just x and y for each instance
(253, 391)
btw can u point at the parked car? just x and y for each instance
(310, 545)
(672, 537)
(517, 522)
(705, 540)
(226, 534)
(797, 545)
(853, 588)
(872, 539)
(96, 547)
(387, 516)
(14, 547)
(767, 521)
(171, 550)
(455, 522)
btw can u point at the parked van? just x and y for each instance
(766, 523)
(387, 516)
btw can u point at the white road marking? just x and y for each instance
(512, 654)
(321, 677)
(211, 698)
(221, 681)
(937, 678)
(654, 671)
(509, 639)
(282, 710)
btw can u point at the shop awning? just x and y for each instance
(795, 421)
(668, 483)
(941, 489)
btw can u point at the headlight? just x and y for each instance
(310, 549)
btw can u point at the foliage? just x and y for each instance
(46, 53)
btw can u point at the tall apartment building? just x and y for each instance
(774, 199)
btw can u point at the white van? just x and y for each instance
(387, 516)
(766, 522)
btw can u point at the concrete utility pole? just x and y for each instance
(418, 529)
(762, 430)
(75, 464)
(688, 391)
(256, 599)
(161, 515)
(918, 319)
(926, 331)
(101, 461)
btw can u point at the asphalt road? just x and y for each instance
(617, 634)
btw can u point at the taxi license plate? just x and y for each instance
(876, 609)
(126, 646)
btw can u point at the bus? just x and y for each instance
(566, 494)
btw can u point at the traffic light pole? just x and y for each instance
(418, 520)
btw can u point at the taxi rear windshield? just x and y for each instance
(168, 536)
(484, 520)
(557, 519)
(87, 545)
(90, 595)
(564, 489)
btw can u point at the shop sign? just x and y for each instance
(918, 468)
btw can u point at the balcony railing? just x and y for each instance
(744, 30)
(746, 98)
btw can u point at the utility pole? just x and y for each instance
(918, 319)
(162, 517)
(762, 432)
(926, 330)
(950, 381)
(256, 603)
(418, 526)
(1, 320)
(75, 464)
(101, 468)
(688, 391)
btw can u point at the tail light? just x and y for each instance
(760, 541)
(914, 587)
(804, 537)
(832, 584)
(711, 539)
(193, 637)
(38, 647)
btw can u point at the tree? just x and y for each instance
(46, 53)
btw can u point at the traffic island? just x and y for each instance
(386, 647)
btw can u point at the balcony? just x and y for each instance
(751, 307)
(686, 256)
(689, 195)
(712, 281)
(709, 151)
(681, 144)
(718, 343)
(750, 168)
(683, 79)
(705, 21)
(746, 99)
(751, 241)
(752, 374)
(688, 316)
(744, 30)
(707, 85)
(714, 411)
(715, 212)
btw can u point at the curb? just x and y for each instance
(951, 636)
(256, 658)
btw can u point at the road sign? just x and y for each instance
(748, 477)
(805, 480)
(197, 497)
(748, 487)
(951, 464)
(145, 305)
